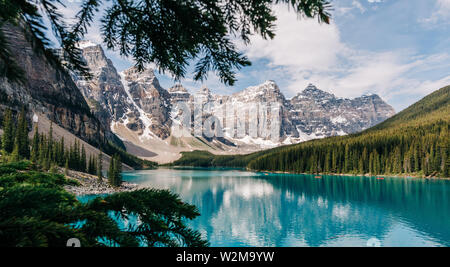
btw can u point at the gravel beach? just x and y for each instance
(90, 185)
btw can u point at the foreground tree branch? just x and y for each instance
(168, 33)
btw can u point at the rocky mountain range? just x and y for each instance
(140, 111)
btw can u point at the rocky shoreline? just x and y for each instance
(430, 177)
(90, 185)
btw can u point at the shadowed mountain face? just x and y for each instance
(104, 92)
(139, 103)
(50, 91)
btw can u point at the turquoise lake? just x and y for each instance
(240, 208)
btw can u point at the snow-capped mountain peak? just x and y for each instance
(178, 88)
(312, 91)
(86, 43)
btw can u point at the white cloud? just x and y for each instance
(305, 44)
(441, 13)
(358, 5)
(443, 8)
(444, 4)
(308, 52)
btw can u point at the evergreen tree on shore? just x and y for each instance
(22, 135)
(15, 156)
(118, 170)
(35, 146)
(83, 160)
(8, 132)
(100, 166)
(115, 167)
(111, 171)
(66, 167)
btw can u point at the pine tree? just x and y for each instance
(100, 166)
(397, 161)
(444, 166)
(83, 160)
(425, 165)
(438, 159)
(22, 135)
(50, 142)
(8, 132)
(416, 158)
(78, 155)
(15, 156)
(71, 156)
(446, 171)
(376, 164)
(35, 146)
(111, 171)
(361, 166)
(327, 166)
(89, 165)
(117, 171)
(62, 152)
(42, 149)
(334, 161)
(66, 167)
(364, 159)
(115, 167)
(347, 159)
(94, 166)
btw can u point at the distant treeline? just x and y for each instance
(415, 141)
(207, 159)
(131, 160)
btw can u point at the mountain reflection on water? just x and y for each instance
(240, 208)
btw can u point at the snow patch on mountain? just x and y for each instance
(86, 44)
(338, 120)
(142, 114)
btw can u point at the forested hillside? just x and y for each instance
(415, 141)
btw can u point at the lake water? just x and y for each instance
(240, 208)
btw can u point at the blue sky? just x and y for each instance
(398, 49)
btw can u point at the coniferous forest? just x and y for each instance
(47, 152)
